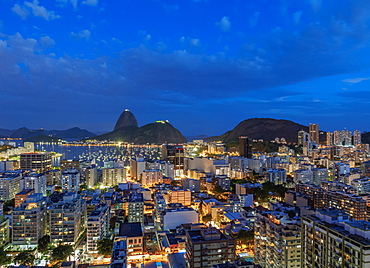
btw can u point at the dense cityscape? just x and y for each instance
(249, 147)
(203, 203)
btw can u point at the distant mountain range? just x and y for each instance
(127, 130)
(25, 133)
(263, 128)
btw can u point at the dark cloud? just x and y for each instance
(252, 81)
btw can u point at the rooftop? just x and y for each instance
(130, 229)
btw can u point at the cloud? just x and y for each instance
(254, 19)
(224, 24)
(38, 11)
(170, 8)
(46, 42)
(74, 3)
(316, 4)
(195, 42)
(90, 2)
(355, 80)
(21, 11)
(297, 17)
(82, 34)
(266, 63)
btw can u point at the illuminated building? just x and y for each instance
(180, 196)
(245, 147)
(9, 185)
(136, 207)
(71, 180)
(69, 163)
(34, 181)
(29, 222)
(276, 176)
(40, 162)
(208, 246)
(114, 176)
(97, 227)
(356, 137)
(277, 240)
(22, 196)
(4, 230)
(66, 218)
(314, 133)
(176, 156)
(133, 235)
(319, 198)
(329, 239)
(137, 166)
(150, 177)
(174, 217)
(303, 137)
(91, 176)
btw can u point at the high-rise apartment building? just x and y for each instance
(137, 166)
(314, 132)
(136, 207)
(40, 162)
(329, 239)
(34, 181)
(245, 147)
(365, 166)
(97, 226)
(71, 180)
(356, 137)
(276, 176)
(329, 138)
(318, 198)
(176, 156)
(303, 137)
(132, 233)
(69, 163)
(180, 196)
(150, 177)
(4, 230)
(277, 241)
(303, 176)
(159, 208)
(66, 218)
(22, 196)
(29, 222)
(208, 246)
(114, 176)
(9, 185)
(320, 175)
(91, 176)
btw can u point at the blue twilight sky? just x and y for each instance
(205, 65)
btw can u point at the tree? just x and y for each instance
(207, 218)
(112, 222)
(218, 190)
(61, 253)
(175, 183)
(43, 243)
(83, 187)
(4, 260)
(291, 214)
(24, 258)
(244, 237)
(105, 246)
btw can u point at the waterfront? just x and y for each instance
(100, 153)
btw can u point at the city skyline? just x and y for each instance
(81, 63)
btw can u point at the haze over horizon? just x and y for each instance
(68, 63)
